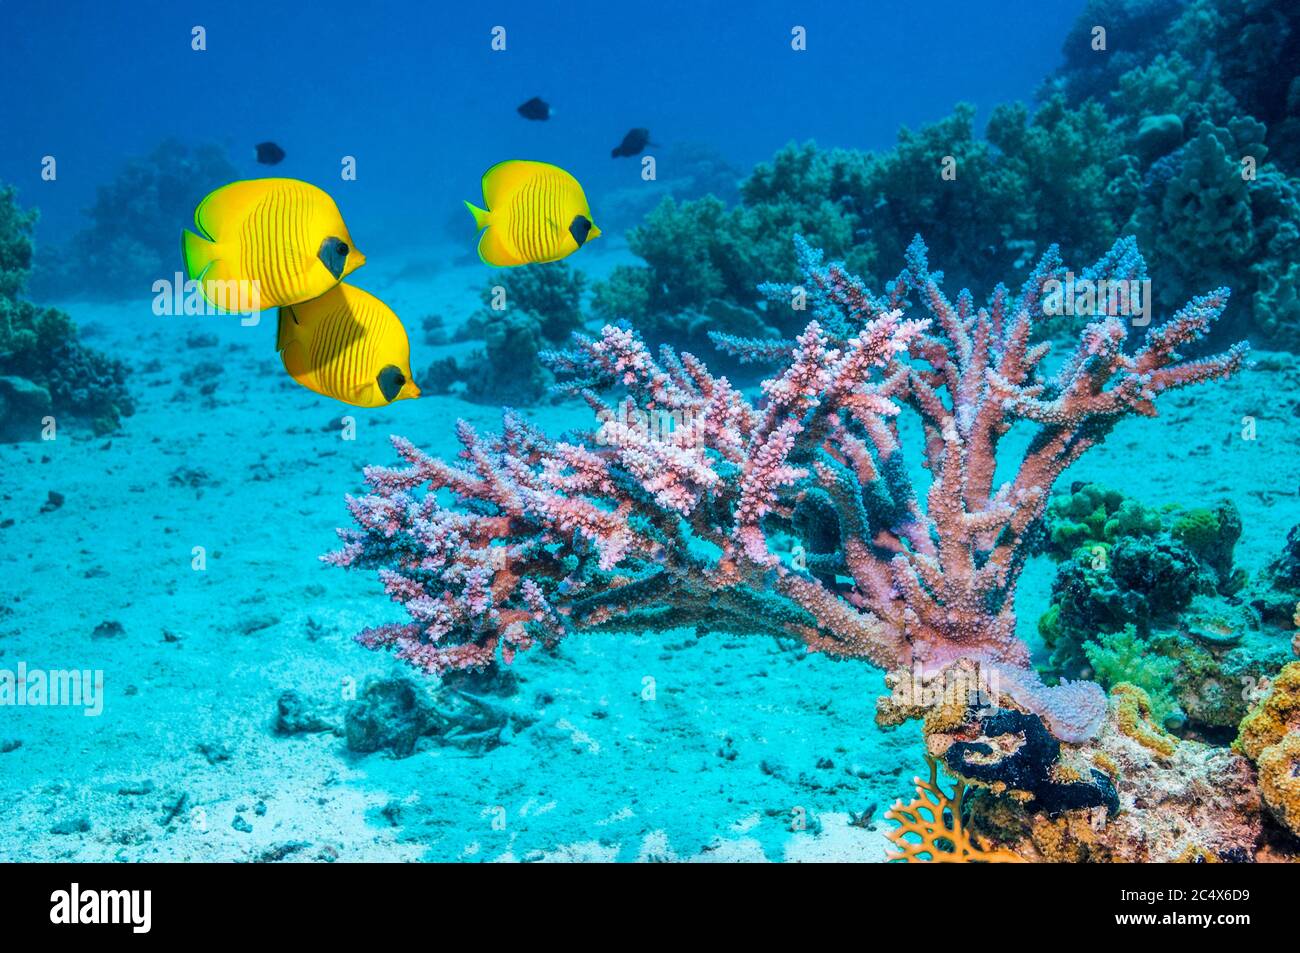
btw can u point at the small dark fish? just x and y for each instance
(268, 153)
(632, 143)
(535, 108)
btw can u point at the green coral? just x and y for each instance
(1196, 529)
(1060, 163)
(693, 252)
(15, 244)
(1092, 514)
(1248, 48)
(1153, 597)
(1216, 213)
(41, 347)
(1211, 535)
(1124, 657)
(550, 292)
(508, 371)
(1151, 139)
(1169, 85)
(525, 311)
(1039, 174)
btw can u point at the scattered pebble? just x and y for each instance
(108, 629)
(257, 624)
(215, 753)
(72, 825)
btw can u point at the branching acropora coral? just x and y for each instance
(793, 515)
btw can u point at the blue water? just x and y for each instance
(415, 93)
(746, 749)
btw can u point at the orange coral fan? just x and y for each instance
(937, 820)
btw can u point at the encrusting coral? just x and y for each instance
(796, 516)
(1270, 737)
(1276, 716)
(1133, 793)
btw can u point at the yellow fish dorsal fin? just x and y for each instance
(506, 178)
(226, 207)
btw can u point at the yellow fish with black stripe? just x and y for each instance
(287, 236)
(349, 345)
(535, 212)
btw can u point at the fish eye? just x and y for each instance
(579, 228)
(390, 380)
(333, 255)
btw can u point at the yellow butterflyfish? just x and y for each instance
(349, 345)
(284, 235)
(535, 212)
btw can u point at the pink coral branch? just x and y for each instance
(792, 515)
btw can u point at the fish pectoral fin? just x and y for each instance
(287, 324)
(362, 394)
(296, 362)
(198, 253)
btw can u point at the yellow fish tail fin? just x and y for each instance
(198, 253)
(480, 215)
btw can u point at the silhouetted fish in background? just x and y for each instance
(535, 108)
(268, 153)
(632, 143)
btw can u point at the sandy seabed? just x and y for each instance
(742, 737)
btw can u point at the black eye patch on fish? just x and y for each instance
(579, 228)
(390, 381)
(333, 253)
